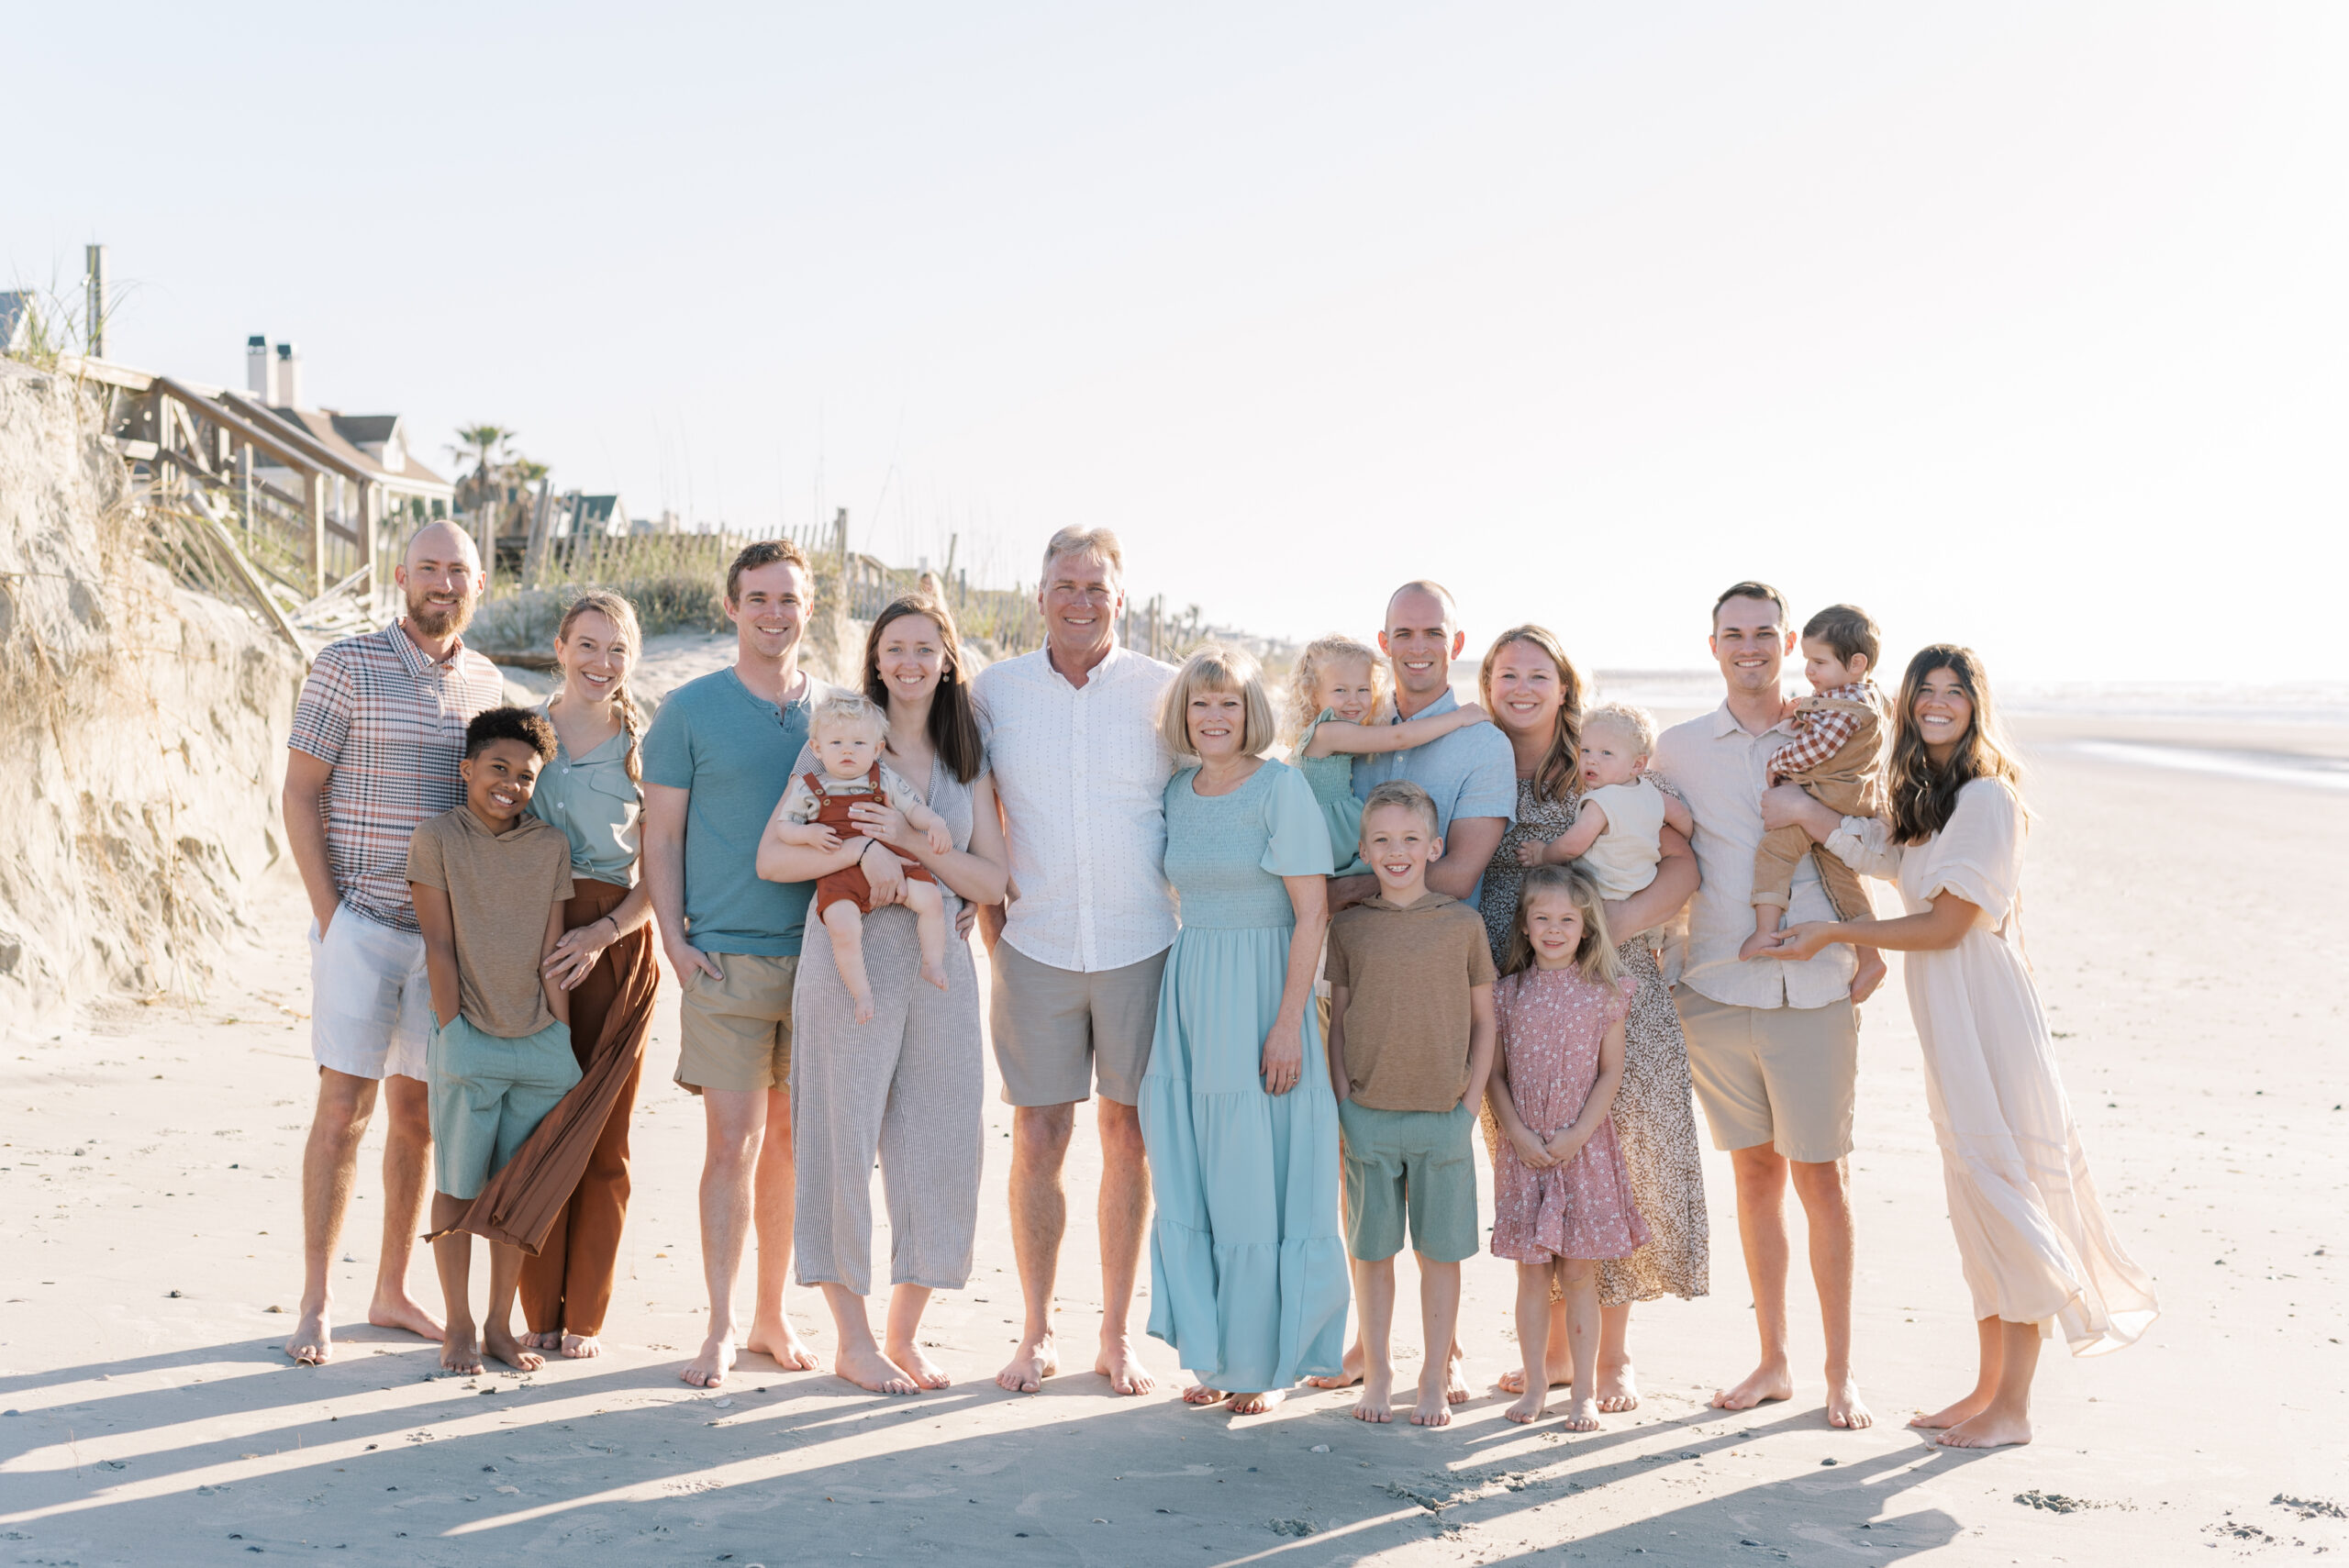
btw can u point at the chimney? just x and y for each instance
(257, 367)
(288, 386)
(94, 262)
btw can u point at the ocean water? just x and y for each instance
(1675, 694)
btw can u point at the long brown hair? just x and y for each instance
(1595, 956)
(954, 727)
(1921, 796)
(1556, 777)
(622, 614)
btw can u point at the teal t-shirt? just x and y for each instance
(734, 752)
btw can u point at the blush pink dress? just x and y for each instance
(1552, 1023)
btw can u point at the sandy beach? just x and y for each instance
(2194, 969)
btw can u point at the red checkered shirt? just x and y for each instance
(391, 723)
(1820, 733)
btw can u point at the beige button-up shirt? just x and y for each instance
(1723, 771)
(1082, 774)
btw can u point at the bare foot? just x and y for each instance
(551, 1340)
(1529, 1408)
(1868, 976)
(1562, 1375)
(1377, 1393)
(1617, 1390)
(1965, 1409)
(1122, 1367)
(1033, 1361)
(1582, 1415)
(1762, 1384)
(312, 1343)
(709, 1369)
(1200, 1394)
(458, 1351)
(578, 1347)
(1455, 1387)
(400, 1310)
(777, 1342)
(1256, 1404)
(872, 1371)
(919, 1367)
(1843, 1406)
(1434, 1408)
(511, 1351)
(1349, 1371)
(1991, 1428)
(935, 974)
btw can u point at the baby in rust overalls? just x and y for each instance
(848, 733)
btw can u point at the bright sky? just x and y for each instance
(2023, 325)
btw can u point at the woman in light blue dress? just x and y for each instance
(1248, 1271)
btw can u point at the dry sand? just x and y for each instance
(2193, 964)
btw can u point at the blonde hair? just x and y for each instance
(1596, 955)
(842, 710)
(1101, 544)
(1555, 777)
(1637, 724)
(1406, 794)
(1304, 680)
(622, 614)
(1216, 668)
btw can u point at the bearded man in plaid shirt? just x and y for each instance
(378, 734)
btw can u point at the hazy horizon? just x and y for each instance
(2020, 326)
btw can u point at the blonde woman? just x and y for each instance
(2032, 1239)
(1248, 1271)
(591, 791)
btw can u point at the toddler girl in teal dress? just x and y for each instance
(1341, 712)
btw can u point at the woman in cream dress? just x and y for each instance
(2032, 1236)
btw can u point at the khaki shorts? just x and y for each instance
(1784, 1076)
(1059, 1030)
(735, 1033)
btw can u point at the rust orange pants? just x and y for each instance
(568, 1286)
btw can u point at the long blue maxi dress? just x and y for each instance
(1248, 1273)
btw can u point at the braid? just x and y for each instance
(631, 726)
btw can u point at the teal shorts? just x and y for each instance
(1409, 1165)
(487, 1095)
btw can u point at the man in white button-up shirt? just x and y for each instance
(1773, 1046)
(1073, 740)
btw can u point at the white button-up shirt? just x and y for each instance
(1082, 774)
(1723, 771)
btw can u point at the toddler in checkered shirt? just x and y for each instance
(1837, 756)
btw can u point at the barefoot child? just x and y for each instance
(1411, 1044)
(1562, 1196)
(490, 881)
(847, 733)
(1333, 700)
(1616, 836)
(1837, 756)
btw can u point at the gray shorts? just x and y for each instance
(1059, 1031)
(1784, 1076)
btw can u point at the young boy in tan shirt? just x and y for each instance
(1410, 1047)
(490, 881)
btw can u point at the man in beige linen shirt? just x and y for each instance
(1773, 1046)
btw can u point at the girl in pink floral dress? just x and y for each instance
(1563, 1197)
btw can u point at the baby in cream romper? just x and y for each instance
(1618, 829)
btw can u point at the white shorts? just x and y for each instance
(370, 1002)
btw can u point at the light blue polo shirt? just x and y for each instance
(1469, 772)
(734, 752)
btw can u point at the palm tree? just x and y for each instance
(482, 441)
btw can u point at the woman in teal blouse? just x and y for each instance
(1248, 1273)
(606, 958)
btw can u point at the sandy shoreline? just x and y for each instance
(148, 1207)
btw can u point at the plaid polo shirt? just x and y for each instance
(391, 723)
